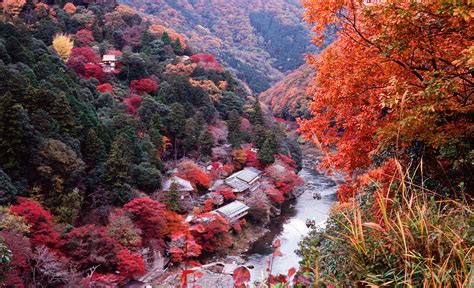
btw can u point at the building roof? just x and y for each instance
(233, 209)
(237, 184)
(109, 58)
(182, 185)
(248, 174)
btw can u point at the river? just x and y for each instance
(290, 227)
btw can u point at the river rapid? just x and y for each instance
(290, 226)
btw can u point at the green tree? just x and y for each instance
(93, 150)
(14, 131)
(206, 143)
(70, 206)
(146, 177)
(176, 122)
(233, 125)
(256, 114)
(165, 37)
(118, 162)
(64, 115)
(172, 198)
(265, 154)
(259, 135)
(8, 192)
(191, 131)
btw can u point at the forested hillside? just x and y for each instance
(289, 97)
(260, 40)
(97, 106)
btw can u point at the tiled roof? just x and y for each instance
(237, 184)
(248, 174)
(233, 209)
(182, 185)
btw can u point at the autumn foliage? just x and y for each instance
(106, 87)
(398, 81)
(146, 85)
(42, 231)
(211, 232)
(206, 61)
(193, 173)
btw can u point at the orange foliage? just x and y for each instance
(159, 30)
(13, 7)
(396, 75)
(70, 8)
(193, 173)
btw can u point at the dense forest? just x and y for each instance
(98, 107)
(259, 40)
(134, 152)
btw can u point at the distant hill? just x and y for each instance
(288, 98)
(260, 40)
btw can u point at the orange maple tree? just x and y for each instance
(397, 82)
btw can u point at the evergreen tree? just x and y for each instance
(93, 150)
(172, 198)
(176, 123)
(206, 143)
(259, 135)
(233, 125)
(178, 48)
(14, 126)
(191, 131)
(118, 163)
(8, 192)
(165, 37)
(256, 115)
(265, 154)
(63, 114)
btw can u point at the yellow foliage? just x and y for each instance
(63, 45)
(12, 223)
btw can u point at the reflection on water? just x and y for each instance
(290, 227)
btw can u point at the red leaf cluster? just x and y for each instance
(132, 103)
(83, 37)
(146, 85)
(106, 87)
(42, 231)
(90, 246)
(193, 173)
(81, 56)
(206, 61)
(211, 232)
(94, 71)
(130, 265)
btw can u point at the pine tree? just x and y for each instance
(93, 150)
(176, 123)
(259, 135)
(118, 163)
(62, 112)
(8, 192)
(172, 198)
(14, 126)
(166, 38)
(256, 115)
(206, 143)
(178, 48)
(191, 131)
(233, 125)
(265, 154)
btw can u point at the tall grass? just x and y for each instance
(418, 239)
(397, 235)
